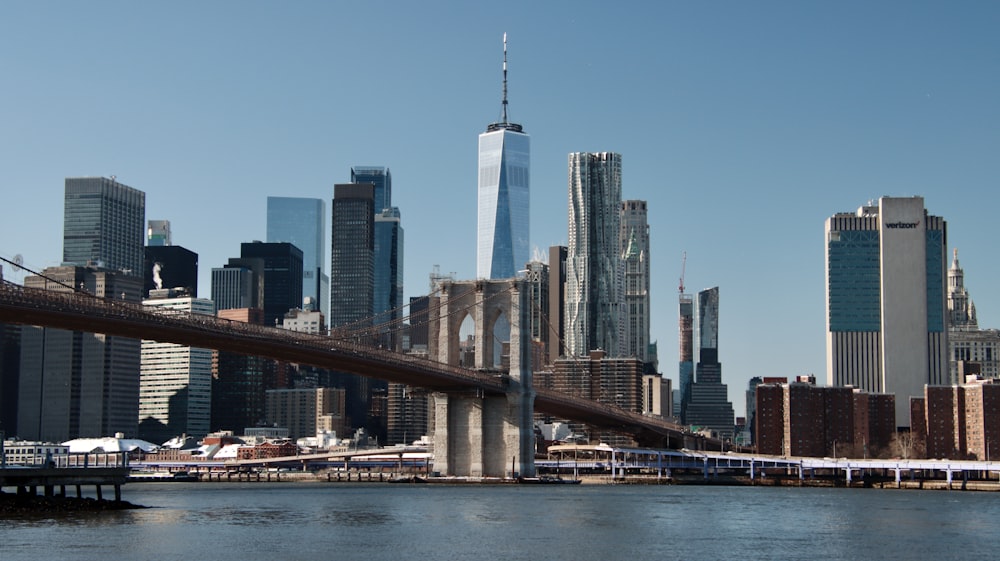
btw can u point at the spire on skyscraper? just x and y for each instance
(504, 123)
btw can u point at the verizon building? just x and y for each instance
(886, 300)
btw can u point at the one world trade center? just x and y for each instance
(504, 158)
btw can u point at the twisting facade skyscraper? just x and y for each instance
(504, 162)
(594, 292)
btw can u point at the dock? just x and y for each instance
(53, 481)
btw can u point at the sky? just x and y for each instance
(744, 125)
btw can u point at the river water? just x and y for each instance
(376, 522)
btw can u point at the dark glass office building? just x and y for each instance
(352, 260)
(170, 266)
(709, 408)
(388, 293)
(104, 224)
(282, 277)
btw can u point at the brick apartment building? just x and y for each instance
(801, 419)
(958, 422)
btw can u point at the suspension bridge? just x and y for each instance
(471, 404)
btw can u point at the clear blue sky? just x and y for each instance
(743, 124)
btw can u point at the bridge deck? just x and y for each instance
(84, 312)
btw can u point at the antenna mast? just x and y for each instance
(504, 123)
(505, 78)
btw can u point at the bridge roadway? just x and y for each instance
(88, 313)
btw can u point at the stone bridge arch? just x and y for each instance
(483, 435)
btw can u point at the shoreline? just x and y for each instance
(604, 479)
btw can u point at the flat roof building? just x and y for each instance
(886, 324)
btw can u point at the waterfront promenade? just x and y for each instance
(601, 464)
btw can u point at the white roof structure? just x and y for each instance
(108, 444)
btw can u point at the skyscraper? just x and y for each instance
(103, 224)
(175, 381)
(388, 257)
(504, 165)
(388, 291)
(538, 285)
(685, 328)
(886, 313)
(635, 259)
(593, 259)
(352, 291)
(381, 180)
(352, 260)
(282, 277)
(557, 302)
(971, 350)
(76, 384)
(709, 407)
(302, 222)
(961, 310)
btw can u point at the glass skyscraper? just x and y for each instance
(504, 161)
(886, 300)
(302, 222)
(104, 224)
(594, 294)
(282, 277)
(387, 298)
(388, 293)
(381, 179)
(352, 293)
(709, 407)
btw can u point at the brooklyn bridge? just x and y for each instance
(483, 418)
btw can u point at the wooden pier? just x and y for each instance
(54, 480)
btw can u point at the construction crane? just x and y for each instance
(684, 260)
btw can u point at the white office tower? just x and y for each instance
(887, 329)
(504, 161)
(594, 295)
(175, 381)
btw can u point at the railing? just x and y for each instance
(74, 460)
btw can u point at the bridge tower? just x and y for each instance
(477, 434)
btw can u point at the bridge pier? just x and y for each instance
(481, 436)
(476, 434)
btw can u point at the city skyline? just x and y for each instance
(743, 126)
